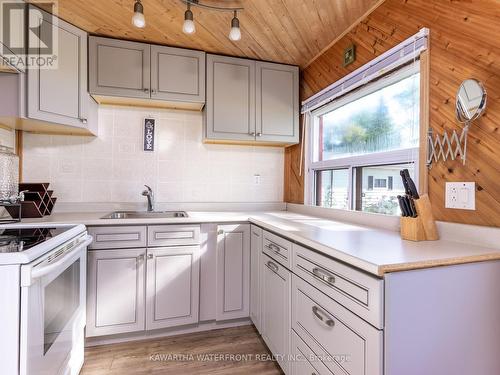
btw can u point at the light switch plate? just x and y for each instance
(461, 195)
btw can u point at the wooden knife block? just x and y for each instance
(423, 227)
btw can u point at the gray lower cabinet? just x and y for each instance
(233, 272)
(172, 288)
(119, 68)
(305, 362)
(255, 260)
(346, 343)
(275, 309)
(59, 95)
(132, 287)
(230, 108)
(115, 291)
(277, 103)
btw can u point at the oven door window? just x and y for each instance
(62, 299)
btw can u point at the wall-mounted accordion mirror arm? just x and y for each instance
(469, 106)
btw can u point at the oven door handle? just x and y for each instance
(36, 272)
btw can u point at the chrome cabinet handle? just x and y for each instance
(140, 257)
(321, 315)
(220, 231)
(150, 256)
(145, 90)
(259, 134)
(153, 92)
(272, 266)
(83, 120)
(274, 247)
(252, 134)
(324, 275)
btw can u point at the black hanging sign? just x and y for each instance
(149, 134)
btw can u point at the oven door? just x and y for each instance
(53, 311)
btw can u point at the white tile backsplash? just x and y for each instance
(113, 168)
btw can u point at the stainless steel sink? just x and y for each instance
(145, 215)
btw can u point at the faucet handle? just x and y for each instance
(149, 188)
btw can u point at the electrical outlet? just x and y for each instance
(461, 195)
(256, 179)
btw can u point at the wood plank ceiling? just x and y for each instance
(286, 31)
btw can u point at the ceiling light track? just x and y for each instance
(189, 27)
(212, 7)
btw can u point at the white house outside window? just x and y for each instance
(360, 142)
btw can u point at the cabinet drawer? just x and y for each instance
(118, 237)
(277, 248)
(304, 361)
(173, 235)
(333, 332)
(359, 292)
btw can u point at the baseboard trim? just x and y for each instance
(159, 333)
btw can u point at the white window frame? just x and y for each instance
(400, 156)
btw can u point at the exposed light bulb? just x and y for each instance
(188, 27)
(138, 19)
(235, 33)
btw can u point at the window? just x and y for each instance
(361, 141)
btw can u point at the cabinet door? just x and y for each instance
(172, 291)
(277, 103)
(233, 271)
(59, 94)
(276, 309)
(255, 256)
(177, 74)
(230, 109)
(115, 293)
(119, 68)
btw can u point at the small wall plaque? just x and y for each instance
(349, 55)
(149, 134)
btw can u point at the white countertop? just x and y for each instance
(373, 250)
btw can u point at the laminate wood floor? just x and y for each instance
(240, 351)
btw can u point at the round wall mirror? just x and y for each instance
(471, 100)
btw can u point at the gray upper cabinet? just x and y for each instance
(119, 68)
(177, 74)
(121, 71)
(251, 102)
(60, 95)
(277, 103)
(230, 109)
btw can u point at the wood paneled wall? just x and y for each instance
(464, 43)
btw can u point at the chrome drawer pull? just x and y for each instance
(274, 247)
(323, 275)
(322, 316)
(272, 266)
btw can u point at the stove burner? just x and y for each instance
(18, 240)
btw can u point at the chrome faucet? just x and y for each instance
(151, 199)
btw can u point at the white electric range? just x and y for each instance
(42, 294)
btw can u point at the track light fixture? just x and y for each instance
(235, 33)
(189, 27)
(138, 19)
